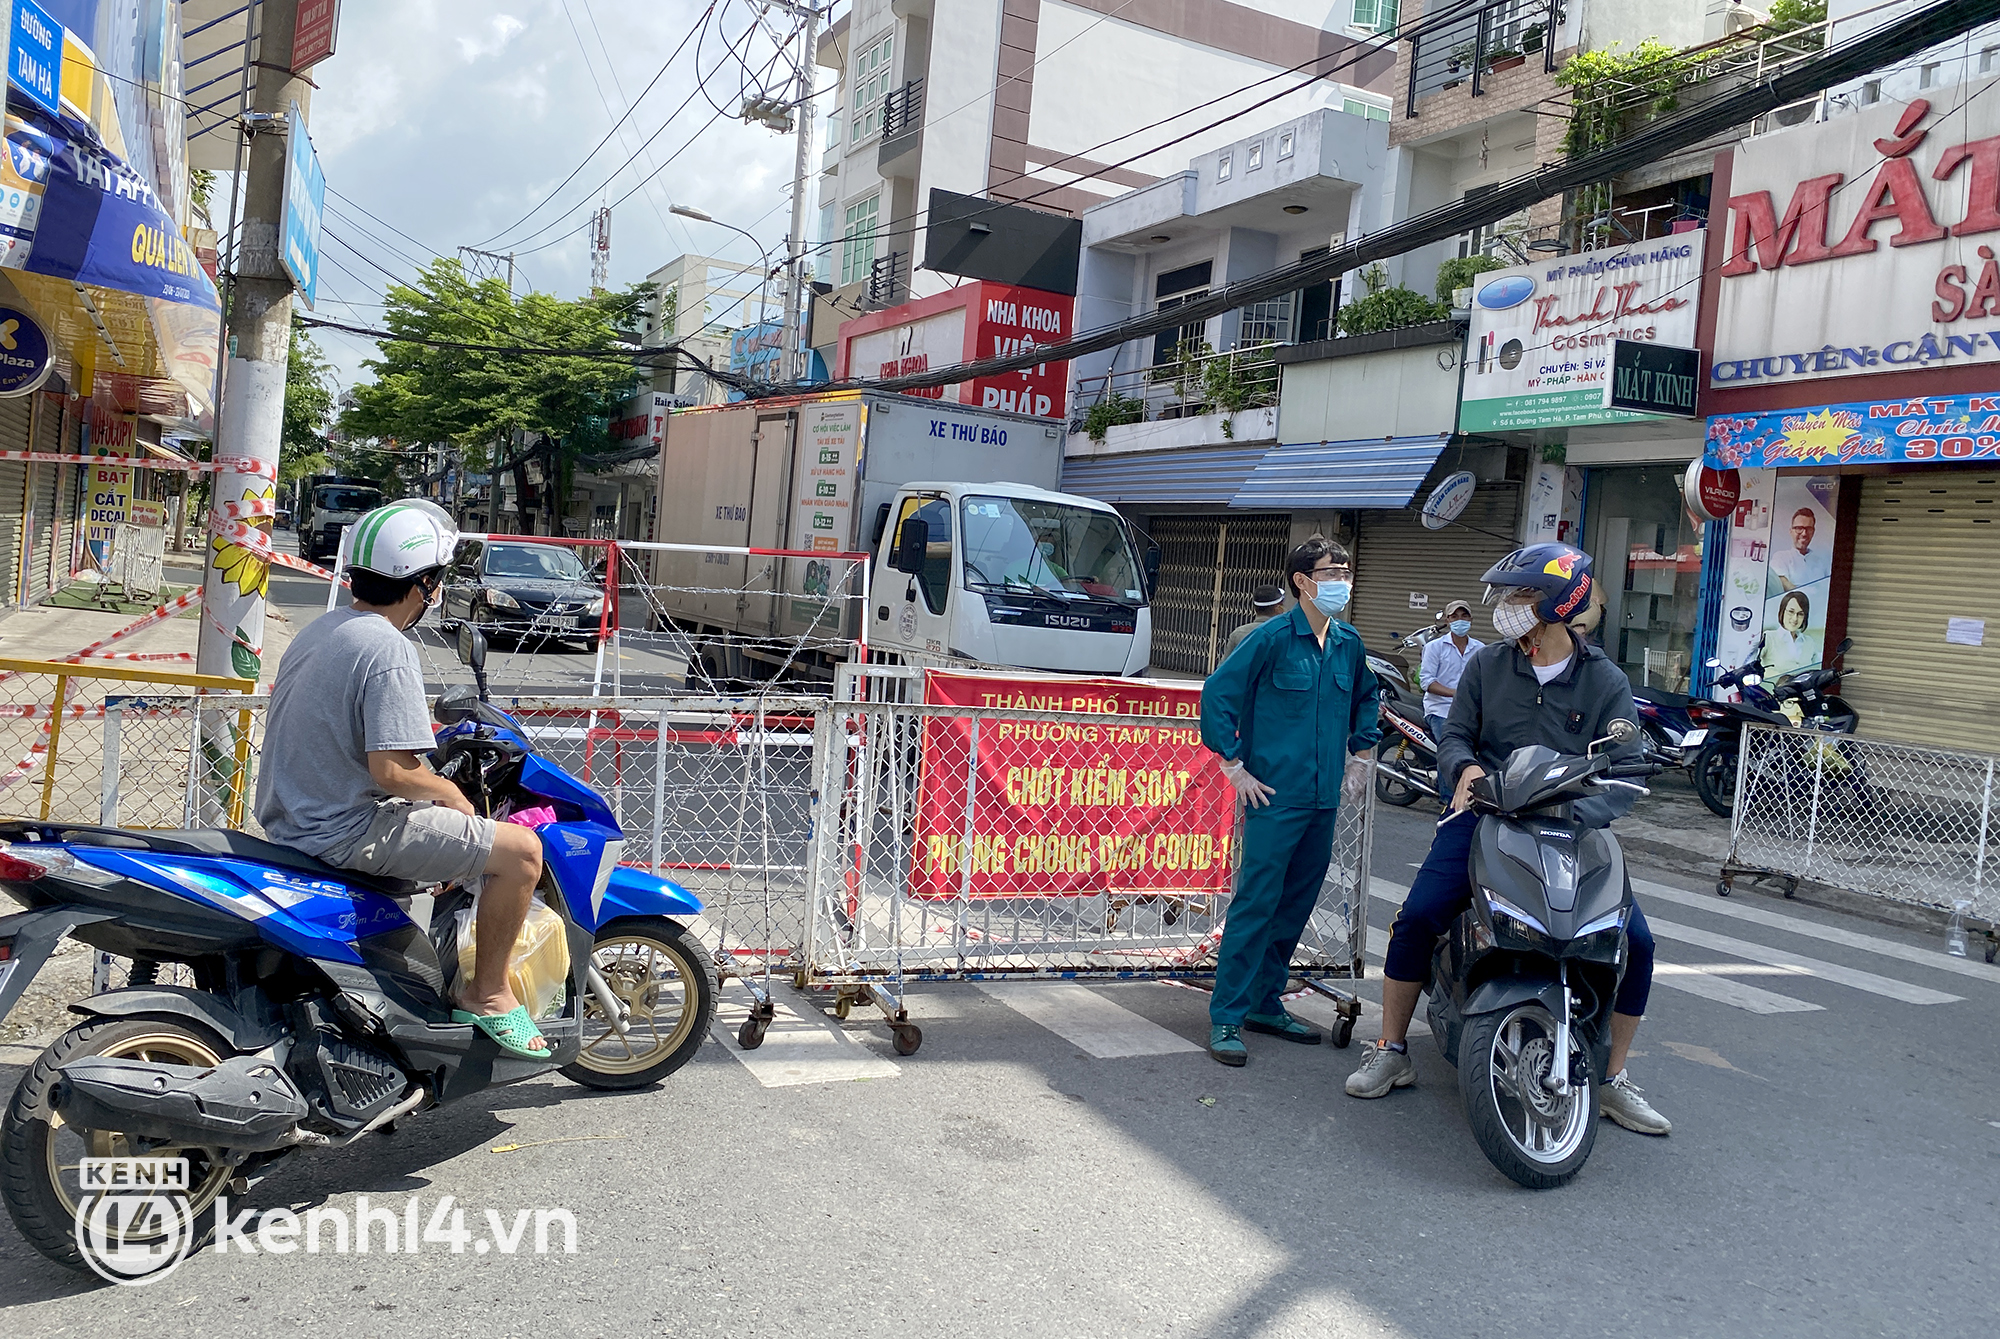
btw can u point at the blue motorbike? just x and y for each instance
(321, 1000)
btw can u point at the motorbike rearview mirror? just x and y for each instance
(1846, 645)
(472, 652)
(913, 542)
(1617, 734)
(1713, 663)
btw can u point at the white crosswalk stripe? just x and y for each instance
(1804, 966)
(801, 1046)
(1719, 982)
(1086, 1019)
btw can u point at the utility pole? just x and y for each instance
(251, 416)
(796, 300)
(496, 257)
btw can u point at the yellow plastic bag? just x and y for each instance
(537, 969)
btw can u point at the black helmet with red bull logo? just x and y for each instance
(1559, 573)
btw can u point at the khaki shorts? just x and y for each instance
(423, 843)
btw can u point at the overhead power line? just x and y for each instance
(1812, 74)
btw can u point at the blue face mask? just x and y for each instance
(1461, 626)
(1330, 597)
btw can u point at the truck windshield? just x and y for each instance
(543, 561)
(1050, 546)
(347, 499)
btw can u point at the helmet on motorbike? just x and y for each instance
(1559, 574)
(403, 540)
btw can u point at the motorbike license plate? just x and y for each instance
(1694, 739)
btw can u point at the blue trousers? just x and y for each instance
(1285, 855)
(1442, 891)
(1436, 723)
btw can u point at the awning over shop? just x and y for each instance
(1340, 476)
(1203, 476)
(85, 241)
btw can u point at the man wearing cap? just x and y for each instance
(1443, 663)
(1266, 600)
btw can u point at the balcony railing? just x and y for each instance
(903, 109)
(886, 278)
(1199, 381)
(1495, 37)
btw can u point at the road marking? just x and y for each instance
(1888, 948)
(1086, 1020)
(1710, 983)
(800, 1047)
(1802, 965)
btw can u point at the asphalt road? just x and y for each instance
(1063, 1159)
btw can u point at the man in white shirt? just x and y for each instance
(1801, 565)
(1443, 663)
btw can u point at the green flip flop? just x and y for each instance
(513, 1030)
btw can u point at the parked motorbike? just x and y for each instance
(1522, 987)
(1666, 722)
(322, 999)
(1406, 759)
(1808, 699)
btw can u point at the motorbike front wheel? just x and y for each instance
(667, 982)
(1538, 1138)
(1715, 774)
(40, 1154)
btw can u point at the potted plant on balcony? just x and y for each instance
(1531, 38)
(1506, 58)
(1457, 63)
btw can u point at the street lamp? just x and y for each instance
(763, 252)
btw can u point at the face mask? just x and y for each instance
(1460, 626)
(1514, 621)
(1330, 597)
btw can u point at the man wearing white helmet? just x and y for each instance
(343, 775)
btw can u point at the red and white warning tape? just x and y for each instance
(239, 464)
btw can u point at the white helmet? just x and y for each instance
(402, 540)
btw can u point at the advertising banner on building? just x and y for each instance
(1746, 569)
(1865, 243)
(1540, 343)
(1945, 429)
(1064, 809)
(113, 440)
(981, 320)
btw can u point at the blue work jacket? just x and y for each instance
(1292, 711)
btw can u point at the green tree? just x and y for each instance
(444, 380)
(1386, 308)
(308, 410)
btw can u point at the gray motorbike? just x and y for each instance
(1522, 986)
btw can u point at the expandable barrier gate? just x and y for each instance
(1897, 821)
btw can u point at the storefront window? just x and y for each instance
(1648, 558)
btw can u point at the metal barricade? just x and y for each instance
(126, 747)
(1901, 822)
(906, 886)
(713, 793)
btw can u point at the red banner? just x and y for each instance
(1070, 809)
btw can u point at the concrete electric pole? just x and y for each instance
(251, 416)
(797, 289)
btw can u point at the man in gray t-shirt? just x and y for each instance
(343, 775)
(349, 685)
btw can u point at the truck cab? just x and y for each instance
(1009, 574)
(328, 507)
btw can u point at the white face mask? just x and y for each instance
(1514, 621)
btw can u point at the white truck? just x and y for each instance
(990, 566)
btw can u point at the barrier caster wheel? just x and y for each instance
(908, 1037)
(1791, 888)
(1992, 952)
(1722, 888)
(751, 1035)
(842, 1007)
(1344, 1033)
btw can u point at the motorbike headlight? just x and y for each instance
(500, 599)
(1507, 916)
(1610, 920)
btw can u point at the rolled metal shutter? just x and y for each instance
(1924, 547)
(56, 431)
(1397, 558)
(1209, 564)
(14, 436)
(44, 488)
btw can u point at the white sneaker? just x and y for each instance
(1623, 1101)
(1381, 1070)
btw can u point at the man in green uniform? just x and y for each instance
(1292, 712)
